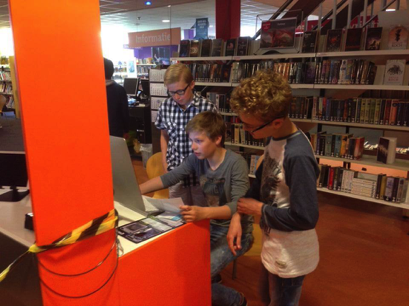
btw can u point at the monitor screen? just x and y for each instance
(13, 174)
(145, 87)
(131, 86)
(13, 169)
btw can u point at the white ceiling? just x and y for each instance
(182, 13)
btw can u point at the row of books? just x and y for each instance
(5, 75)
(6, 88)
(378, 186)
(236, 134)
(338, 145)
(353, 110)
(356, 39)
(214, 47)
(210, 72)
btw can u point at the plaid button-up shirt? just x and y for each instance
(172, 118)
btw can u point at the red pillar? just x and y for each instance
(228, 18)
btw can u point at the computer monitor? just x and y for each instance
(131, 86)
(13, 174)
(145, 87)
(126, 188)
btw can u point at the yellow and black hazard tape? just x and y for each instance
(92, 228)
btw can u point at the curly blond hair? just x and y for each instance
(265, 95)
(178, 72)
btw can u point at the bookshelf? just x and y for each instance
(379, 57)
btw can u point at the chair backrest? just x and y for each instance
(154, 168)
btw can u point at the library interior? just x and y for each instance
(237, 152)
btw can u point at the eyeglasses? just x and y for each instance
(264, 125)
(180, 92)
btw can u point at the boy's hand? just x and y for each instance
(192, 213)
(249, 206)
(234, 234)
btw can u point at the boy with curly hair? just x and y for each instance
(284, 192)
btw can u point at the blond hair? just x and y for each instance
(266, 95)
(208, 122)
(178, 72)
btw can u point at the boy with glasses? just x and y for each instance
(284, 192)
(173, 116)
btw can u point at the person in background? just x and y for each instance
(117, 100)
(284, 193)
(173, 116)
(224, 179)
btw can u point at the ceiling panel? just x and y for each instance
(134, 15)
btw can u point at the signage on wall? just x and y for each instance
(202, 28)
(164, 37)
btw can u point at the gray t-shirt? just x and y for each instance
(223, 186)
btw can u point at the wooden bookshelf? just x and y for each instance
(363, 198)
(243, 146)
(360, 125)
(371, 161)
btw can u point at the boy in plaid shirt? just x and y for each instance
(173, 116)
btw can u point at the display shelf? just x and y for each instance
(214, 84)
(364, 53)
(360, 87)
(272, 56)
(362, 125)
(202, 59)
(145, 64)
(228, 114)
(293, 86)
(243, 146)
(6, 94)
(363, 198)
(371, 161)
(6, 81)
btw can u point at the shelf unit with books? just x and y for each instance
(377, 56)
(363, 198)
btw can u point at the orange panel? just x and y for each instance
(172, 270)
(60, 75)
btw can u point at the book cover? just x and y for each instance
(334, 38)
(184, 49)
(278, 33)
(373, 39)
(217, 47)
(243, 45)
(310, 73)
(309, 42)
(353, 40)
(398, 38)
(194, 48)
(230, 47)
(389, 188)
(394, 71)
(386, 150)
(206, 47)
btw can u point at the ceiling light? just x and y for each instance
(165, 20)
(169, 5)
(390, 10)
(148, 3)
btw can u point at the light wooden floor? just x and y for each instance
(364, 250)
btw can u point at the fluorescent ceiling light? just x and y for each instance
(148, 3)
(390, 10)
(165, 20)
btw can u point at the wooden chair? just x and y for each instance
(154, 168)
